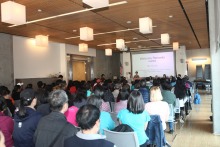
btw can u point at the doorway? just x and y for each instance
(79, 70)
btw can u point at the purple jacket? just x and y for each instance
(7, 127)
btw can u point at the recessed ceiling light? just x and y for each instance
(39, 10)
(74, 30)
(128, 21)
(170, 16)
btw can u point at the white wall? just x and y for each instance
(73, 49)
(196, 53)
(31, 61)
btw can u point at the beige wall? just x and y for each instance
(196, 53)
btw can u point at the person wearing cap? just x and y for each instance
(26, 120)
(53, 129)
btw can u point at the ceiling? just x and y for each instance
(115, 18)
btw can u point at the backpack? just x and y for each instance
(197, 99)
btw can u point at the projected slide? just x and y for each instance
(152, 64)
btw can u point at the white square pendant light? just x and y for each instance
(165, 38)
(97, 3)
(86, 34)
(145, 25)
(108, 52)
(120, 43)
(13, 13)
(175, 46)
(83, 47)
(41, 40)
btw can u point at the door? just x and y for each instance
(79, 70)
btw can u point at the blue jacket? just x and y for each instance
(155, 131)
(145, 94)
(25, 127)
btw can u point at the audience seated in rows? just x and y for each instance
(78, 94)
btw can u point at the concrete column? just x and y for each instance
(6, 61)
(215, 62)
(126, 63)
(181, 61)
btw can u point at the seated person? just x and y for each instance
(144, 91)
(106, 121)
(116, 90)
(26, 119)
(157, 106)
(88, 119)
(6, 124)
(5, 93)
(123, 99)
(136, 116)
(71, 115)
(99, 92)
(136, 76)
(170, 98)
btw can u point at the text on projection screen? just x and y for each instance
(152, 64)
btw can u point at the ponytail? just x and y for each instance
(23, 103)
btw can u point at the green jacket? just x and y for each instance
(169, 97)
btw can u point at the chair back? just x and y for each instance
(114, 118)
(122, 139)
(172, 115)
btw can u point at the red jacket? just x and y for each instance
(7, 127)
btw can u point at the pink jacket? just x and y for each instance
(71, 115)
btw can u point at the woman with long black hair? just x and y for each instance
(26, 120)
